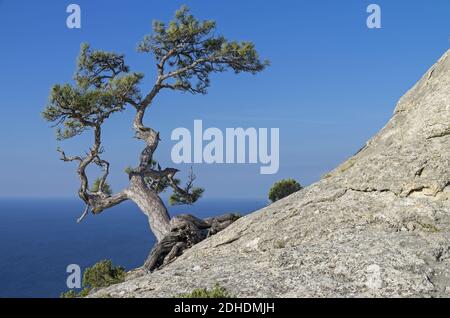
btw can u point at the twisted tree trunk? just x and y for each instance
(151, 205)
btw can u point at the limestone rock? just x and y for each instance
(376, 226)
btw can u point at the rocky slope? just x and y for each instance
(378, 225)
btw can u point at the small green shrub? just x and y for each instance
(106, 189)
(69, 294)
(102, 274)
(283, 188)
(216, 292)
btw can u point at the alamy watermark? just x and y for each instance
(73, 21)
(73, 280)
(235, 146)
(374, 19)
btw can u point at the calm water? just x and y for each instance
(39, 238)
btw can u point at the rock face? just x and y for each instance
(376, 226)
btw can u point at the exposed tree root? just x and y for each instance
(185, 232)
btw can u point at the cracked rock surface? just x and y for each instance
(376, 226)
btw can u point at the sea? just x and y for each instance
(39, 238)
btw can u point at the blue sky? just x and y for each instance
(333, 83)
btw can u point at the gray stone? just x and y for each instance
(376, 226)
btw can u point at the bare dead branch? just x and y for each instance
(68, 159)
(85, 213)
